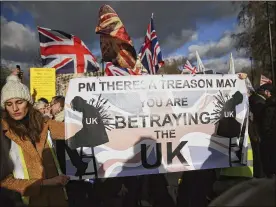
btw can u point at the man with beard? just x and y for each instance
(257, 102)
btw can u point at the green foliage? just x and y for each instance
(255, 36)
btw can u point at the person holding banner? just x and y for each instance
(268, 142)
(36, 175)
(257, 102)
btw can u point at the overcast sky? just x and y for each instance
(182, 28)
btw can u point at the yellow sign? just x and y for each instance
(43, 82)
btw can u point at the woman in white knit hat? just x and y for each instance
(36, 174)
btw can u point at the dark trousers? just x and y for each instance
(60, 150)
(158, 191)
(10, 198)
(154, 186)
(257, 162)
(195, 187)
(107, 191)
(132, 197)
(268, 157)
(255, 138)
(82, 194)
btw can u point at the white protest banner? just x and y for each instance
(156, 124)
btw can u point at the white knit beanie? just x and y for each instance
(15, 89)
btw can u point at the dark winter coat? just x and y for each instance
(257, 104)
(268, 126)
(268, 133)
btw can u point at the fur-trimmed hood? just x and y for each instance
(60, 116)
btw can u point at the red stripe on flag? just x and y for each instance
(126, 57)
(49, 34)
(105, 17)
(62, 63)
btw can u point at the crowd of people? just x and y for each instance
(33, 165)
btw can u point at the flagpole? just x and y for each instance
(270, 45)
(102, 62)
(252, 72)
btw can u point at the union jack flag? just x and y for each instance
(65, 52)
(151, 56)
(112, 70)
(188, 67)
(264, 80)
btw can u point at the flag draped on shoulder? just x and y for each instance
(112, 70)
(116, 45)
(65, 52)
(151, 56)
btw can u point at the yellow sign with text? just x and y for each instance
(43, 83)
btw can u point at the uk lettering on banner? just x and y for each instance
(138, 125)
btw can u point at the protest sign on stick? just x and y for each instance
(43, 82)
(156, 124)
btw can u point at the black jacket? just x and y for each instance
(268, 133)
(257, 105)
(268, 127)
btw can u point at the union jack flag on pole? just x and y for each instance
(151, 56)
(264, 80)
(65, 52)
(112, 70)
(188, 67)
